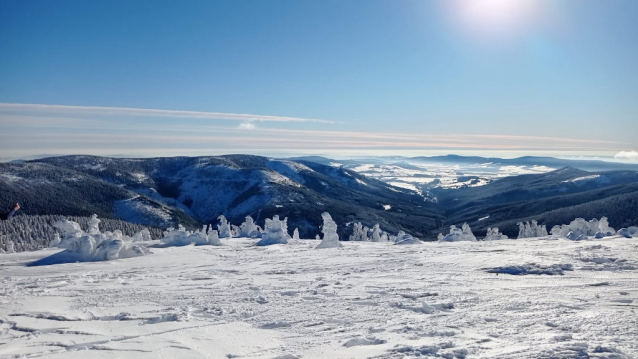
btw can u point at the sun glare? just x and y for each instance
(496, 16)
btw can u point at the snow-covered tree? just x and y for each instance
(295, 234)
(94, 225)
(404, 238)
(10, 248)
(182, 237)
(359, 233)
(249, 229)
(531, 230)
(376, 233)
(329, 230)
(224, 227)
(579, 229)
(458, 234)
(145, 235)
(493, 234)
(96, 246)
(284, 227)
(274, 232)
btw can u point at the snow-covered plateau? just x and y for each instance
(526, 298)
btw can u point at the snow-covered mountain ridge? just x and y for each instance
(202, 188)
(195, 190)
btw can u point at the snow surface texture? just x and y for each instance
(182, 237)
(329, 230)
(458, 234)
(275, 232)
(580, 229)
(91, 246)
(367, 300)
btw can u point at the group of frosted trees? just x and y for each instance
(276, 231)
(30, 233)
(93, 245)
(25, 233)
(578, 229)
(363, 233)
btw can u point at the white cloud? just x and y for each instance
(627, 156)
(125, 111)
(247, 126)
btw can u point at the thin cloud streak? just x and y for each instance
(27, 129)
(125, 111)
(224, 140)
(104, 125)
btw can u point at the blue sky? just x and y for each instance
(161, 78)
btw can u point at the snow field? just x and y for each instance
(365, 300)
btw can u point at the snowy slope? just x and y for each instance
(366, 300)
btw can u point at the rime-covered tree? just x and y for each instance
(329, 230)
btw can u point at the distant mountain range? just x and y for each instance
(586, 165)
(195, 190)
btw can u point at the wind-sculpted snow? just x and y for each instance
(580, 229)
(458, 234)
(630, 232)
(366, 300)
(275, 232)
(329, 230)
(182, 237)
(91, 246)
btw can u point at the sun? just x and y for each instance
(494, 15)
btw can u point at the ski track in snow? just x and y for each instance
(366, 300)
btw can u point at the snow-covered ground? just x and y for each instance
(419, 176)
(364, 300)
